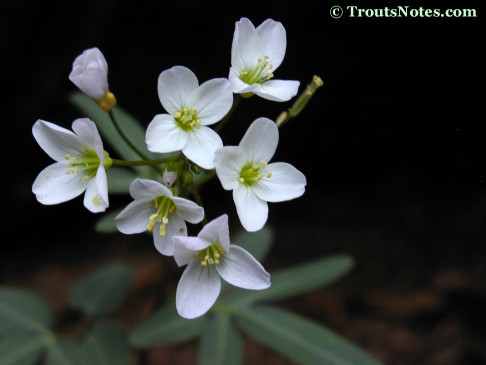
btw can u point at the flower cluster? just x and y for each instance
(163, 207)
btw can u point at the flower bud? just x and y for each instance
(90, 75)
(169, 178)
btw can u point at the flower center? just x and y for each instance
(186, 119)
(87, 163)
(259, 74)
(210, 255)
(251, 173)
(163, 208)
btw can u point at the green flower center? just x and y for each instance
(259, 74)
(251, 173)
(163, 208)
(186, 119)
(210, 255)
(87, 164)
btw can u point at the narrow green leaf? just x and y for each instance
(107, 344)
(22, 349)
(166, 326)
(256, 243)
(23, 310)
(297, 280)
(106, 224)
(221, 342)
(298, 338)
(119, 179)
(103, 291)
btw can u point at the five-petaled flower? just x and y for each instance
(245, 170)
(81, 164)
(90, 75)
(208, 257)
(191, 108)
(156, 209)
(255, 55)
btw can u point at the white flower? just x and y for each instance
(245, 170)
(90, 75)
(255, 55)
(191, 108)
(81, 164)
(208, 257)
(156, 209)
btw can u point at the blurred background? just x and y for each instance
(392, 147)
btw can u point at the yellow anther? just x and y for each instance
(151, 225)
(177, 115)
(255, 167)
(259, 177)
(185, 110)
(96, 200)
(269, 175)
(68, 172)
(84, 148)
(204, 263)
(266, 57)
(216, 262)
(75, 170)
(263, 163)
(153, 216)
(72, 159)
(165, 220)
(270, 66)
(241, 180)
(260, 60)
(193, 110)
(162, 230)
(244, 71)
(269, 75)
(67, 156)
(85, 177)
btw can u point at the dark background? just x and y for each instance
(392, 147)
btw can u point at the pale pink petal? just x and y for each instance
(163, 135)
(278, 90)
(252, 211)
(228, 162)
(200, 147)
(174, 87)
(260, 140)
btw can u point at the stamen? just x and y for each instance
(85, 177)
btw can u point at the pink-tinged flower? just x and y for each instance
(246, 170)
(191, 107)
(208, 257)
(90, 75)
(156, 209)
(255, 55)
(81, 164)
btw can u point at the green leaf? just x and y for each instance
(297, 280)
(298, 338)
(166, 326)
(221, 342)
(23, 310)
(107, 344)
(106, 224)
(256, 243)
(103, 291)
(22, 349)
(119, 179)
(65, 352)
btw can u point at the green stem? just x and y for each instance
(223, 121)
(144, 162)
(205, 178)
(125, 138)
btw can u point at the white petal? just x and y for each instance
(217, 231)
(148, 189)
(176, 227)
(174, 87)
(274, 41)
(260, 140)
(186, 247)
(200, 147)
(188, 210)
(163, 135)
(247, 46)
(90, 73)
(197, 290)
(285, 183)
(228, 162)
(240, 87)
(54, 186)
(278, 90)
(252, 211)
(96, 196)
(135, 217)
(241, 269)
(56, 141)
(212, 100)
(87, 132)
